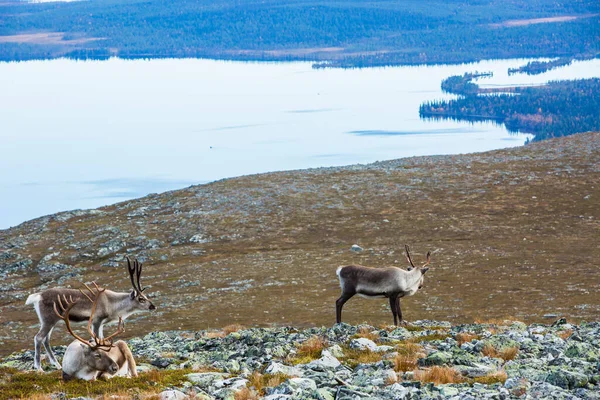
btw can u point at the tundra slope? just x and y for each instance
(508, 229)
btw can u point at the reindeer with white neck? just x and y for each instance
(89, 361)
(392, 282)
(111, 307)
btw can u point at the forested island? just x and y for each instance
(334, 34)
(559, 108)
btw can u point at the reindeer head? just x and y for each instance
(139, 299)
(424, 268)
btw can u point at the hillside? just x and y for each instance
(344, 34)
(513, 233)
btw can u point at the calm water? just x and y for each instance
(80, 134)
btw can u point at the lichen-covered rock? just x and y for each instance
(545, 365)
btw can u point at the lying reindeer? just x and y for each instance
(111, 306)
(103, 359)
(391, 282)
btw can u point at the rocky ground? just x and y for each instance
(422, 360)
(513, 233)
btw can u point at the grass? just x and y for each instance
(16, 384)
(507, 353)
(303, 220)
(408, 357)
(439, 375)
(491, 378)
(232, 328)
(353, 357)
(261, 381)
(429, 338)
(245, 394)
(564, 335)
(465, 337)
(309, 350)
(365, 332)
(443, 375)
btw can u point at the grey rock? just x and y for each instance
(567, 379)
(278, 368)
(356, 248)
(363, 344)
(327, 361)
(173, 394)
(205, 379)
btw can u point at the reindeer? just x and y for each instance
(110, 307)
(391, 282)
(103, 359)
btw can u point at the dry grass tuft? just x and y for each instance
(353, 357)
(429, 338)
(408, 357)
(507, 353)
(365, 332)
(491, 378)
(390, 380)
(245, 394)
(564, 335)
(261, 381)
(214, 334)
(439, 375)
(496, 321)
(465, 337)
(312, 347)
(309, 350)
(490, 351)
(232, 328)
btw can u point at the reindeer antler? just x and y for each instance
(66, 308)
(408, 256)
(428, 259)
(70, 303)
(136, 270)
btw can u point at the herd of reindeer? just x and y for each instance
(102, 358)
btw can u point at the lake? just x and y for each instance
(82, 134)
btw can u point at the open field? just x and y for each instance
(512, 232)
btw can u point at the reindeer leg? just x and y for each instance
(394, 307)
(40, 338)
(339, 304)
(97, 328)
(399, 310)
(49, 352)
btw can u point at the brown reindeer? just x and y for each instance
(392, 282)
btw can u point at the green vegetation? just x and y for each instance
(15, 384)
(560, 108)
(539, 67)
(341, 34)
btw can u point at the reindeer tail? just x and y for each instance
(33, 298)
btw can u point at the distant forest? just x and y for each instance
(356, 33)
(560, 108)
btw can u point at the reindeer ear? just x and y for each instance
(423, 270)
(132, 295)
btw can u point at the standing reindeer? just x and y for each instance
(391, 282)
(110, 307)
(103, 359)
